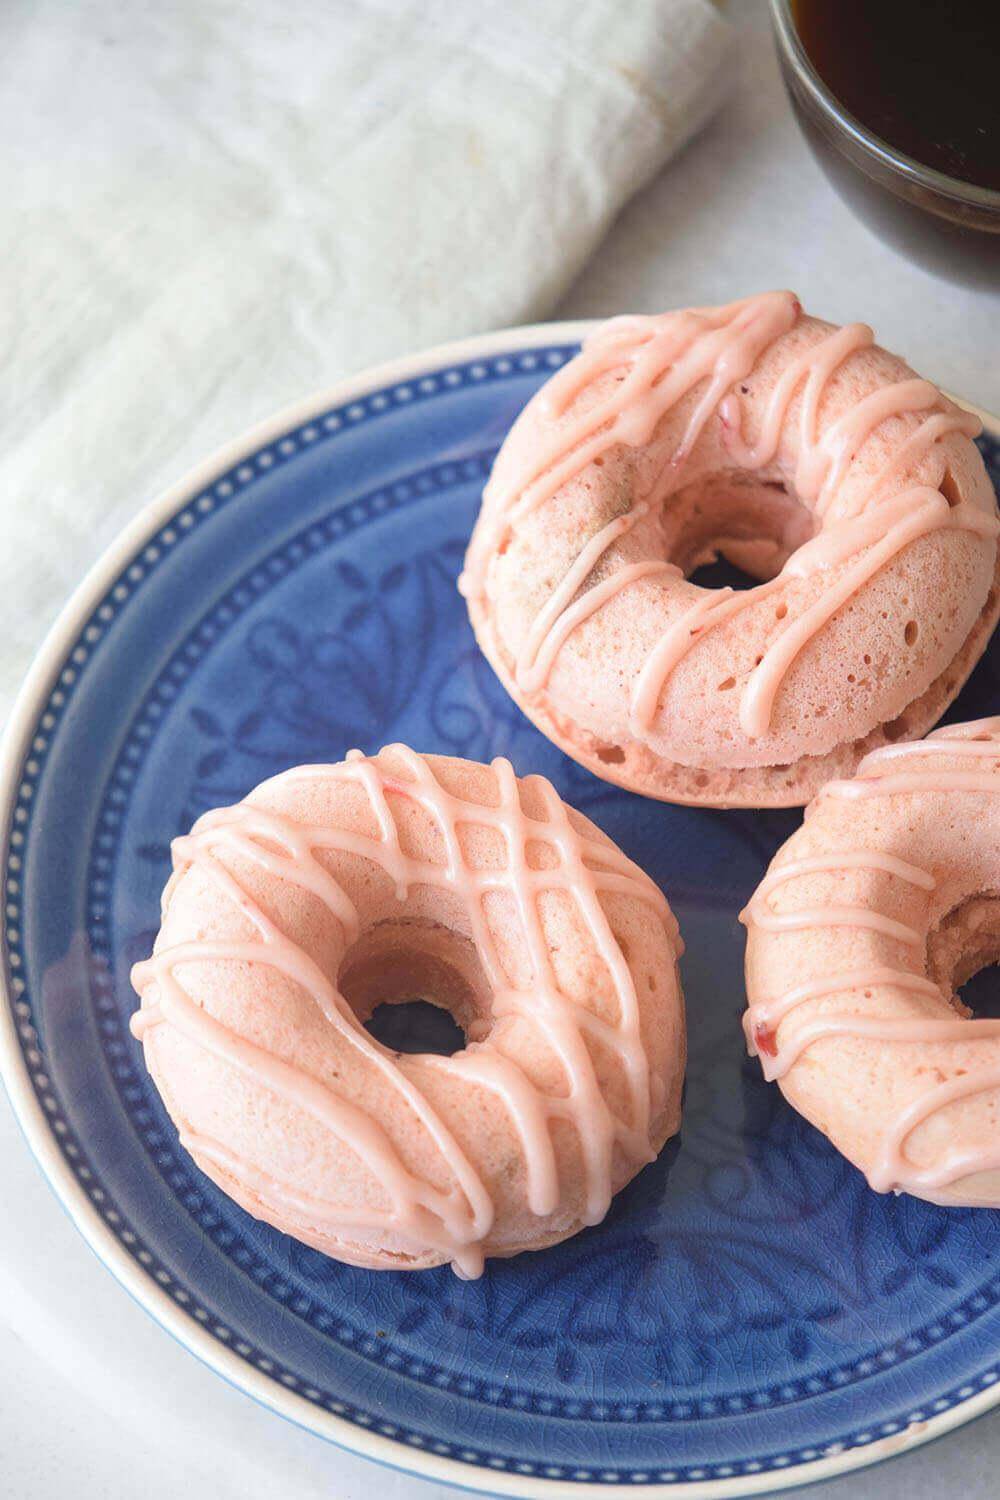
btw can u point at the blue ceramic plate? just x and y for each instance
(749, 1314)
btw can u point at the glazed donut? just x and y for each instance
(808, 457)
(332, 889)
(884, 901)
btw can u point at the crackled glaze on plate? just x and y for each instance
(746, 1298)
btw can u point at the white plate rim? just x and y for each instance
(33, 1121)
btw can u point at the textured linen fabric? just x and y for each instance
(212, 208)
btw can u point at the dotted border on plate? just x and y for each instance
(279, 451)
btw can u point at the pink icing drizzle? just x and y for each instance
(832, 915)
(892, 1169)
(660, 360)
(455, 1223)
(979, 740)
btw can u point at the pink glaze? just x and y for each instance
(982, 730)
(652, 386)
(860, 859)
(940, 425)
(913, 781)
(837, 916)
(901, 1045)
(664, 358)
(764, 1016)
(979, 740)
(459, 1224)
(879, 541)
(711, 609)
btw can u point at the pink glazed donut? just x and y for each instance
(870, 916)
(333, 889)
(805, 455)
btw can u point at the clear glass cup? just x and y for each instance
(947, 225)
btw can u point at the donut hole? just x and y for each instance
(416, 986)
(416, 1026)
(735, 530)
(963, 953)
(980, 994)
(720, 573)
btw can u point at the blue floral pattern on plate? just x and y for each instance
(747, 1298)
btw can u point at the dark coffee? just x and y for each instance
(922, 75)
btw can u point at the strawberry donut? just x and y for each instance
(884, 901)
(808, 457)
(332, 889)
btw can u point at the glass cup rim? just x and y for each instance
(871, 144)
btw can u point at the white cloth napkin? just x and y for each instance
(211, 207)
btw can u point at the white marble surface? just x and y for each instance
(95, 1401)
